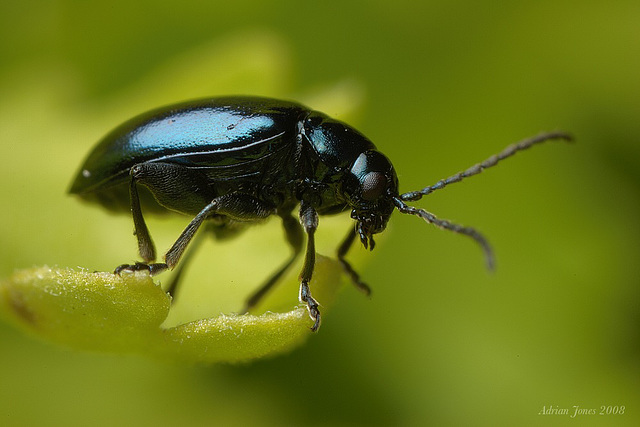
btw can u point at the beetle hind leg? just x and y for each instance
(146, 248)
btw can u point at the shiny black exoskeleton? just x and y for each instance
(237, 160)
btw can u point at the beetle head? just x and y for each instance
(370, 187)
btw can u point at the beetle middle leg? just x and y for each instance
(293, 232)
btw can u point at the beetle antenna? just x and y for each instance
(491, 161)
(448, 225)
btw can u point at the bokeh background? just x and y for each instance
(438, 85)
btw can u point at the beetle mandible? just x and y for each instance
(233, 161)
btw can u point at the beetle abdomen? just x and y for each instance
(225, 138)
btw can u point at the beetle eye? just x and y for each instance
(373, 185)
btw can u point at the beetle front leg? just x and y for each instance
(309, 221)
(342, 252)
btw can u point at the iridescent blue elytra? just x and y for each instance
(229, 162)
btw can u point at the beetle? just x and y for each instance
(234, 161)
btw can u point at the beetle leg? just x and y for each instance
(236, 206)
(153, 269)
(177, 249)
(342, 251)
(293, 232)
(172, 289)
(240, 207)
(309, 221)
(174, 253)
(146, 247)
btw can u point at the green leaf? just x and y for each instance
(124, 314)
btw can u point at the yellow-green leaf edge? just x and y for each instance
(104, 312)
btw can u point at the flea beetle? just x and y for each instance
(233, 161)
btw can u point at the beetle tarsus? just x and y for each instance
(153, 269)
(312, 305)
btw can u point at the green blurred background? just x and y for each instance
(438, 86)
